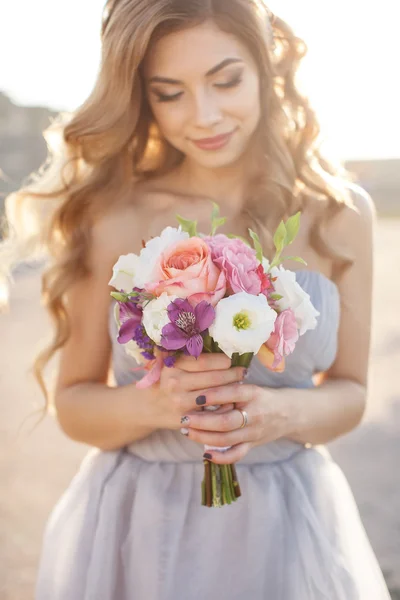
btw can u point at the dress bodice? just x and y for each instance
(315, 352)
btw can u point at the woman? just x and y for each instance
(196, 100)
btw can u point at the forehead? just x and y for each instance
(196, 49)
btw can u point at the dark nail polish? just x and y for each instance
(200, 400)
(185, 420)
(207, 455)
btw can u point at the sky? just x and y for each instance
(50, 52)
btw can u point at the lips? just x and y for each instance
(213, 143)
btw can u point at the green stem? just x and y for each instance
(227, 487)
(216, 498)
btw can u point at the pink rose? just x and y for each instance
(283, 340)
(185, 269)
(239, 263)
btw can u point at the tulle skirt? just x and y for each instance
(132, 529)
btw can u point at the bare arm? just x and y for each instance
(334, 407)
(337, 405)
(102, 416)
(88, 409)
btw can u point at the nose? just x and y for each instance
(207, 110)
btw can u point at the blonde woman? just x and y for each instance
(196, 100)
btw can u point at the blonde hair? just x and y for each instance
(112, 142)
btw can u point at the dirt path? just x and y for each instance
(34, 470)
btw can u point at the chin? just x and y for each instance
(218, 159)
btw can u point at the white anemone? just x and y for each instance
(243, 322)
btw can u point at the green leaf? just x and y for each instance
(215, 211)
(245, 359)
(235, 359)
(276, 296)
(257, 245)
(280, 237)
(207, 342)
(189, 227)
(216, 220)
(232, 236)
(292, 228)
(217, 223)
(119, 296)
(296, 258)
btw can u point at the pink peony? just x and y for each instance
(239, 263)
(186, 269)
(283, 340)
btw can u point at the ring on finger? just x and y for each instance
(245, 417)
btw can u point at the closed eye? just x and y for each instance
(166, 98)
(230, 84)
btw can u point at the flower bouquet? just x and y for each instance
(188, 293)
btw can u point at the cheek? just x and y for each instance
(248, 102)
(170, 118)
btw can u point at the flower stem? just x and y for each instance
(235, 480)
(208, 485)
(227, 487)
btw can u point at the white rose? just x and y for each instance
(296, 298)
(243, 322)
(150, 254)
(124, 272)
(155, 316)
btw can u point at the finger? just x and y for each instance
(226, 394)
(189, 386)
(221, 439)
(209, 379)
(224, 408)
(205, 362)
(216, 421)
(234, 455)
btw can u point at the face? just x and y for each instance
(203, 83)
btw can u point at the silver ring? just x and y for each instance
(245, 418)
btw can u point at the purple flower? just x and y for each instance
(187, 323)
(130, 316)
(142, 339)
(169, 361)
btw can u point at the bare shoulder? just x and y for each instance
(353, 225)
(116, 233)
(123, 229)
(352, 231)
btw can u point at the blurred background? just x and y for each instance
(49, 59)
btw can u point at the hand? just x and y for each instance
(268, 420)
(181, 389)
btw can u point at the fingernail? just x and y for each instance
(185, 420)
(207, 455)
(200, 400)
(184, 431)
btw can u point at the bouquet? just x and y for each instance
(188, 293)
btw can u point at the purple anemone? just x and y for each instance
(187, 323)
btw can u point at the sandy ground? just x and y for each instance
(36, 468)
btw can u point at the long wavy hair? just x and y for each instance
(112, 142)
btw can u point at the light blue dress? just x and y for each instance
(130, 525)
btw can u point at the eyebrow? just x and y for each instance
(221, 65)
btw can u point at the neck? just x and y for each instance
(225, 185)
